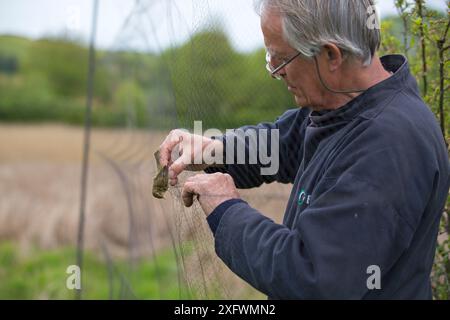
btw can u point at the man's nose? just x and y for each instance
(282, 72)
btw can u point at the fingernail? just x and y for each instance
(171, 174)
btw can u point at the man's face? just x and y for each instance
(300, 75)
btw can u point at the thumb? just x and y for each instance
(179, 165)
(188, 193)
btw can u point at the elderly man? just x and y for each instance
(367, 160)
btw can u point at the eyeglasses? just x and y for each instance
(274, 71)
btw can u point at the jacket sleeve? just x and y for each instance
(250, 174)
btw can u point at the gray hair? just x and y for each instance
(310, 24)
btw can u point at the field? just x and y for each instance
(126, 229)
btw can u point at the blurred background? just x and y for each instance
(156, 65)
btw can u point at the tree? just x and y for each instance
(432, 30)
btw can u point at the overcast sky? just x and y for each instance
(152, 24)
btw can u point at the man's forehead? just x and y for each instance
(277, 46)
(275, 52)
(271, 21)
(271, 25)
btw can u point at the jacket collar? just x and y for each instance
(365, 104)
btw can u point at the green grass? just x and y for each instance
(42, 275)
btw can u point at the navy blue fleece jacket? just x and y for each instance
(370, 180)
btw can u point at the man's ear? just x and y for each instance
(333, 56)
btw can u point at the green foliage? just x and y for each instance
(204, 79)
(8, 64)
(42, 275)
(198, 69)
(429, 34)
(13, 46)
(64, 65)
(221, 87)
(440, 277)
(26, 98)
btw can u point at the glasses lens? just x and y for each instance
(269, 67)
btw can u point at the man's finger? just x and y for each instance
(165, 150)
(188, 193)
(179, 165)
(173, 182)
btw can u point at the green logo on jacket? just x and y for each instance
(303, 198)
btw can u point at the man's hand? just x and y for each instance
(180, 148)
(211, 190)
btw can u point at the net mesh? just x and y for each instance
(182, 81)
